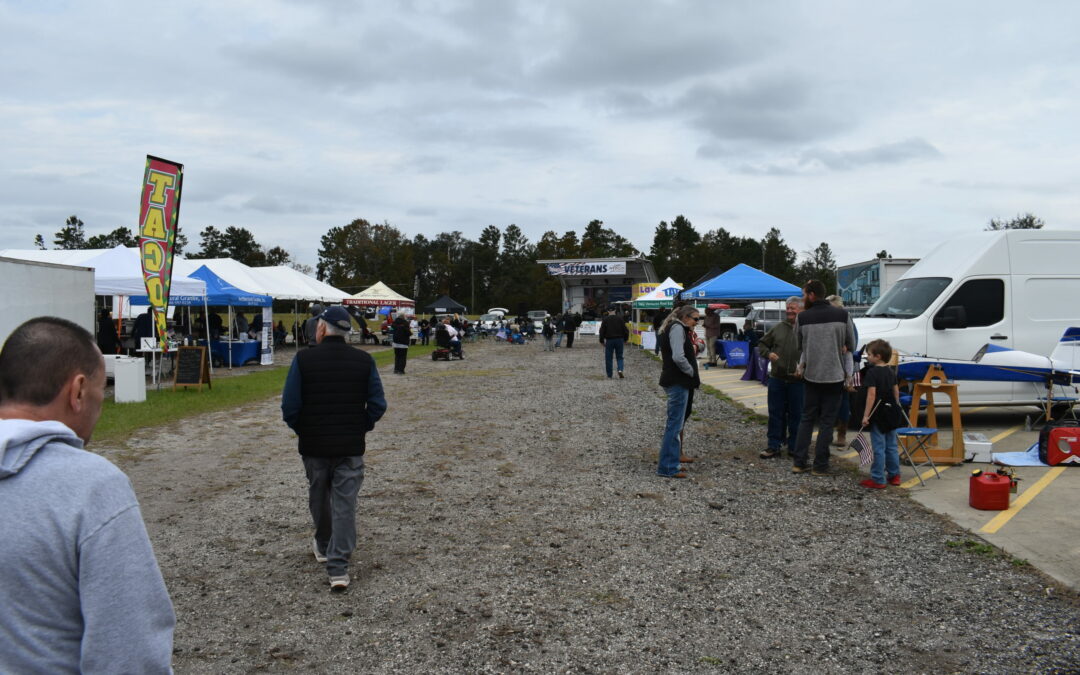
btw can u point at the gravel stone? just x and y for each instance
(511, 521)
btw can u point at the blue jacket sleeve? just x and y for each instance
(376, 403)
(291, 397)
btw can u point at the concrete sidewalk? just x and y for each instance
(1039, 527)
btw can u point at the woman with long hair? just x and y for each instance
(679, 378)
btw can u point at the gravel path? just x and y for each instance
(511, 520)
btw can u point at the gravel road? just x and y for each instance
(511, 520)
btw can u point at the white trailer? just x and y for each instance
(31, 289)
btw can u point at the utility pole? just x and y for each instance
(472, 282)
(763, 255)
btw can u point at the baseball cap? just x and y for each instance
(337, 316)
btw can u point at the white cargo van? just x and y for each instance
(1015, 288)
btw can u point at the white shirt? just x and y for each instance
(452, 331)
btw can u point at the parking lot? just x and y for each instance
(1038, 527)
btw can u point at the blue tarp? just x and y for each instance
(219, 293)
(742, 282)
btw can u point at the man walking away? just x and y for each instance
(333, 396)
(400, 334)
(569, 329)
(613, 335)
(312, 324)
(785, 388)
(560, 321)
(824, 334)
(80, 587)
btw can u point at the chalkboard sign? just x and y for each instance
(192, 368)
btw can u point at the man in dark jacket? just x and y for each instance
(333, 396)
(785, 388)
(824, 334)
(613, 335)
(569, 328)
(400, 334)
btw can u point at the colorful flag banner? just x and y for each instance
(159, 211)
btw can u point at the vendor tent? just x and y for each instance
(379, 295)
(445, 305)
(285, 283)
(741, 282)
(662, 296)
(219, 293)
(117, 271)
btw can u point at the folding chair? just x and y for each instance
(1051, 400)
(921, 437)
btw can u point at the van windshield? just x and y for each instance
(908, 298)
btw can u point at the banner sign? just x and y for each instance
(159, 209)
(584, 268)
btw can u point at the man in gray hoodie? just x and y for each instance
(80, 589)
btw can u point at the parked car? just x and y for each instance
(762, 319)
(537, 317)
(489, 322)
(501, 311)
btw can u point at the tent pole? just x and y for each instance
(206, 321)
(229, 343)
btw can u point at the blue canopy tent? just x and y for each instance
(219, 293)
(741, 282)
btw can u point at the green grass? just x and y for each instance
(119, 420)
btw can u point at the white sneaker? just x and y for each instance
(339, 584)
(320, 557)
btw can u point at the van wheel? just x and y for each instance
(1059, 411)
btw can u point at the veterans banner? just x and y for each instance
(159, 210)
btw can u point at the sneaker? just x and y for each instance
(821, 472)
(621, 376)
(869, 483)
(319, 557)
(769, 453)
(895, 480)
(799, 469)
(339, 584)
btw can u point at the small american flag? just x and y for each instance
(861, 444)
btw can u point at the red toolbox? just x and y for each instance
(989, 491)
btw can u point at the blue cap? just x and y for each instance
(337, 316)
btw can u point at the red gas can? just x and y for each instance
(989, 491)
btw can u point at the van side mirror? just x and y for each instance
(951, 317)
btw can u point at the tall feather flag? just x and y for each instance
(159, 211)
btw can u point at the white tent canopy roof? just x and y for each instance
(117, 271)
(306, 287)
(661, 292)
(379, 294)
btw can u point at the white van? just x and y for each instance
(1016, 288)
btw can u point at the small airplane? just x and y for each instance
(994, 363)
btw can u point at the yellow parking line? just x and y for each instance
(1005, 516)
(757, 395)
(1006, 433)
(924, 475)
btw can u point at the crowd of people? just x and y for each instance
(81, 587)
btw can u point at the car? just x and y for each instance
(489, 322)
(762, 319)
(501, 311)
(537, 316)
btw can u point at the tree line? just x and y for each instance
(499, 267)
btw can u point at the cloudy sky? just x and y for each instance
(863, 124)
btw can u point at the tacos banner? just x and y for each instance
(159, 210)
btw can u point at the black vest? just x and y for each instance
(670, 373)
(334, 390)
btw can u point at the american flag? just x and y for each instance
(861, 444)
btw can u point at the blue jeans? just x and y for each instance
(332, 486)
(613, 346)
(785, 411)
(670, 449)
(558, 339)
(886, 455)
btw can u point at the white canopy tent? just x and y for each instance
(379, 295)
(303, 287)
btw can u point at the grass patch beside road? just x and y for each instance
(119, 420)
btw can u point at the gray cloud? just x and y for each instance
(669, 185)
(819, 160)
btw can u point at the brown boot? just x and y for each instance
(841, 435)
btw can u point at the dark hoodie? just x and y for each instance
(80, 587)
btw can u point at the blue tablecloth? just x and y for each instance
(242, 352)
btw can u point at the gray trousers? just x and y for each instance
(549, 343)
(333, 483)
